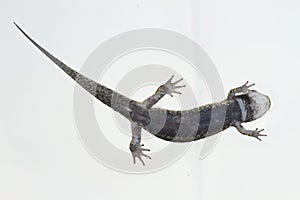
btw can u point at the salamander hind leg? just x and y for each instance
(135, 146)
(168, 88)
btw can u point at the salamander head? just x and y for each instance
(259, 103)
(253, 105)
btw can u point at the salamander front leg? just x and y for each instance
(135, 146)
(252, 133)
(167, 88)
(242, 89)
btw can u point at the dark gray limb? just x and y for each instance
(242, 89)
(135, 146)
(167, 88)
(252, 133)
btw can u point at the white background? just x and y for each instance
(41, 154)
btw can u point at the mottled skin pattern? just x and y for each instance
(241, 105)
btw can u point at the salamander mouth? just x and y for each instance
(260, 103)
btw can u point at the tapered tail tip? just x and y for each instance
(16, 25)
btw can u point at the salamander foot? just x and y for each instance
(252, 133)
(137, 152)
(170, 87)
